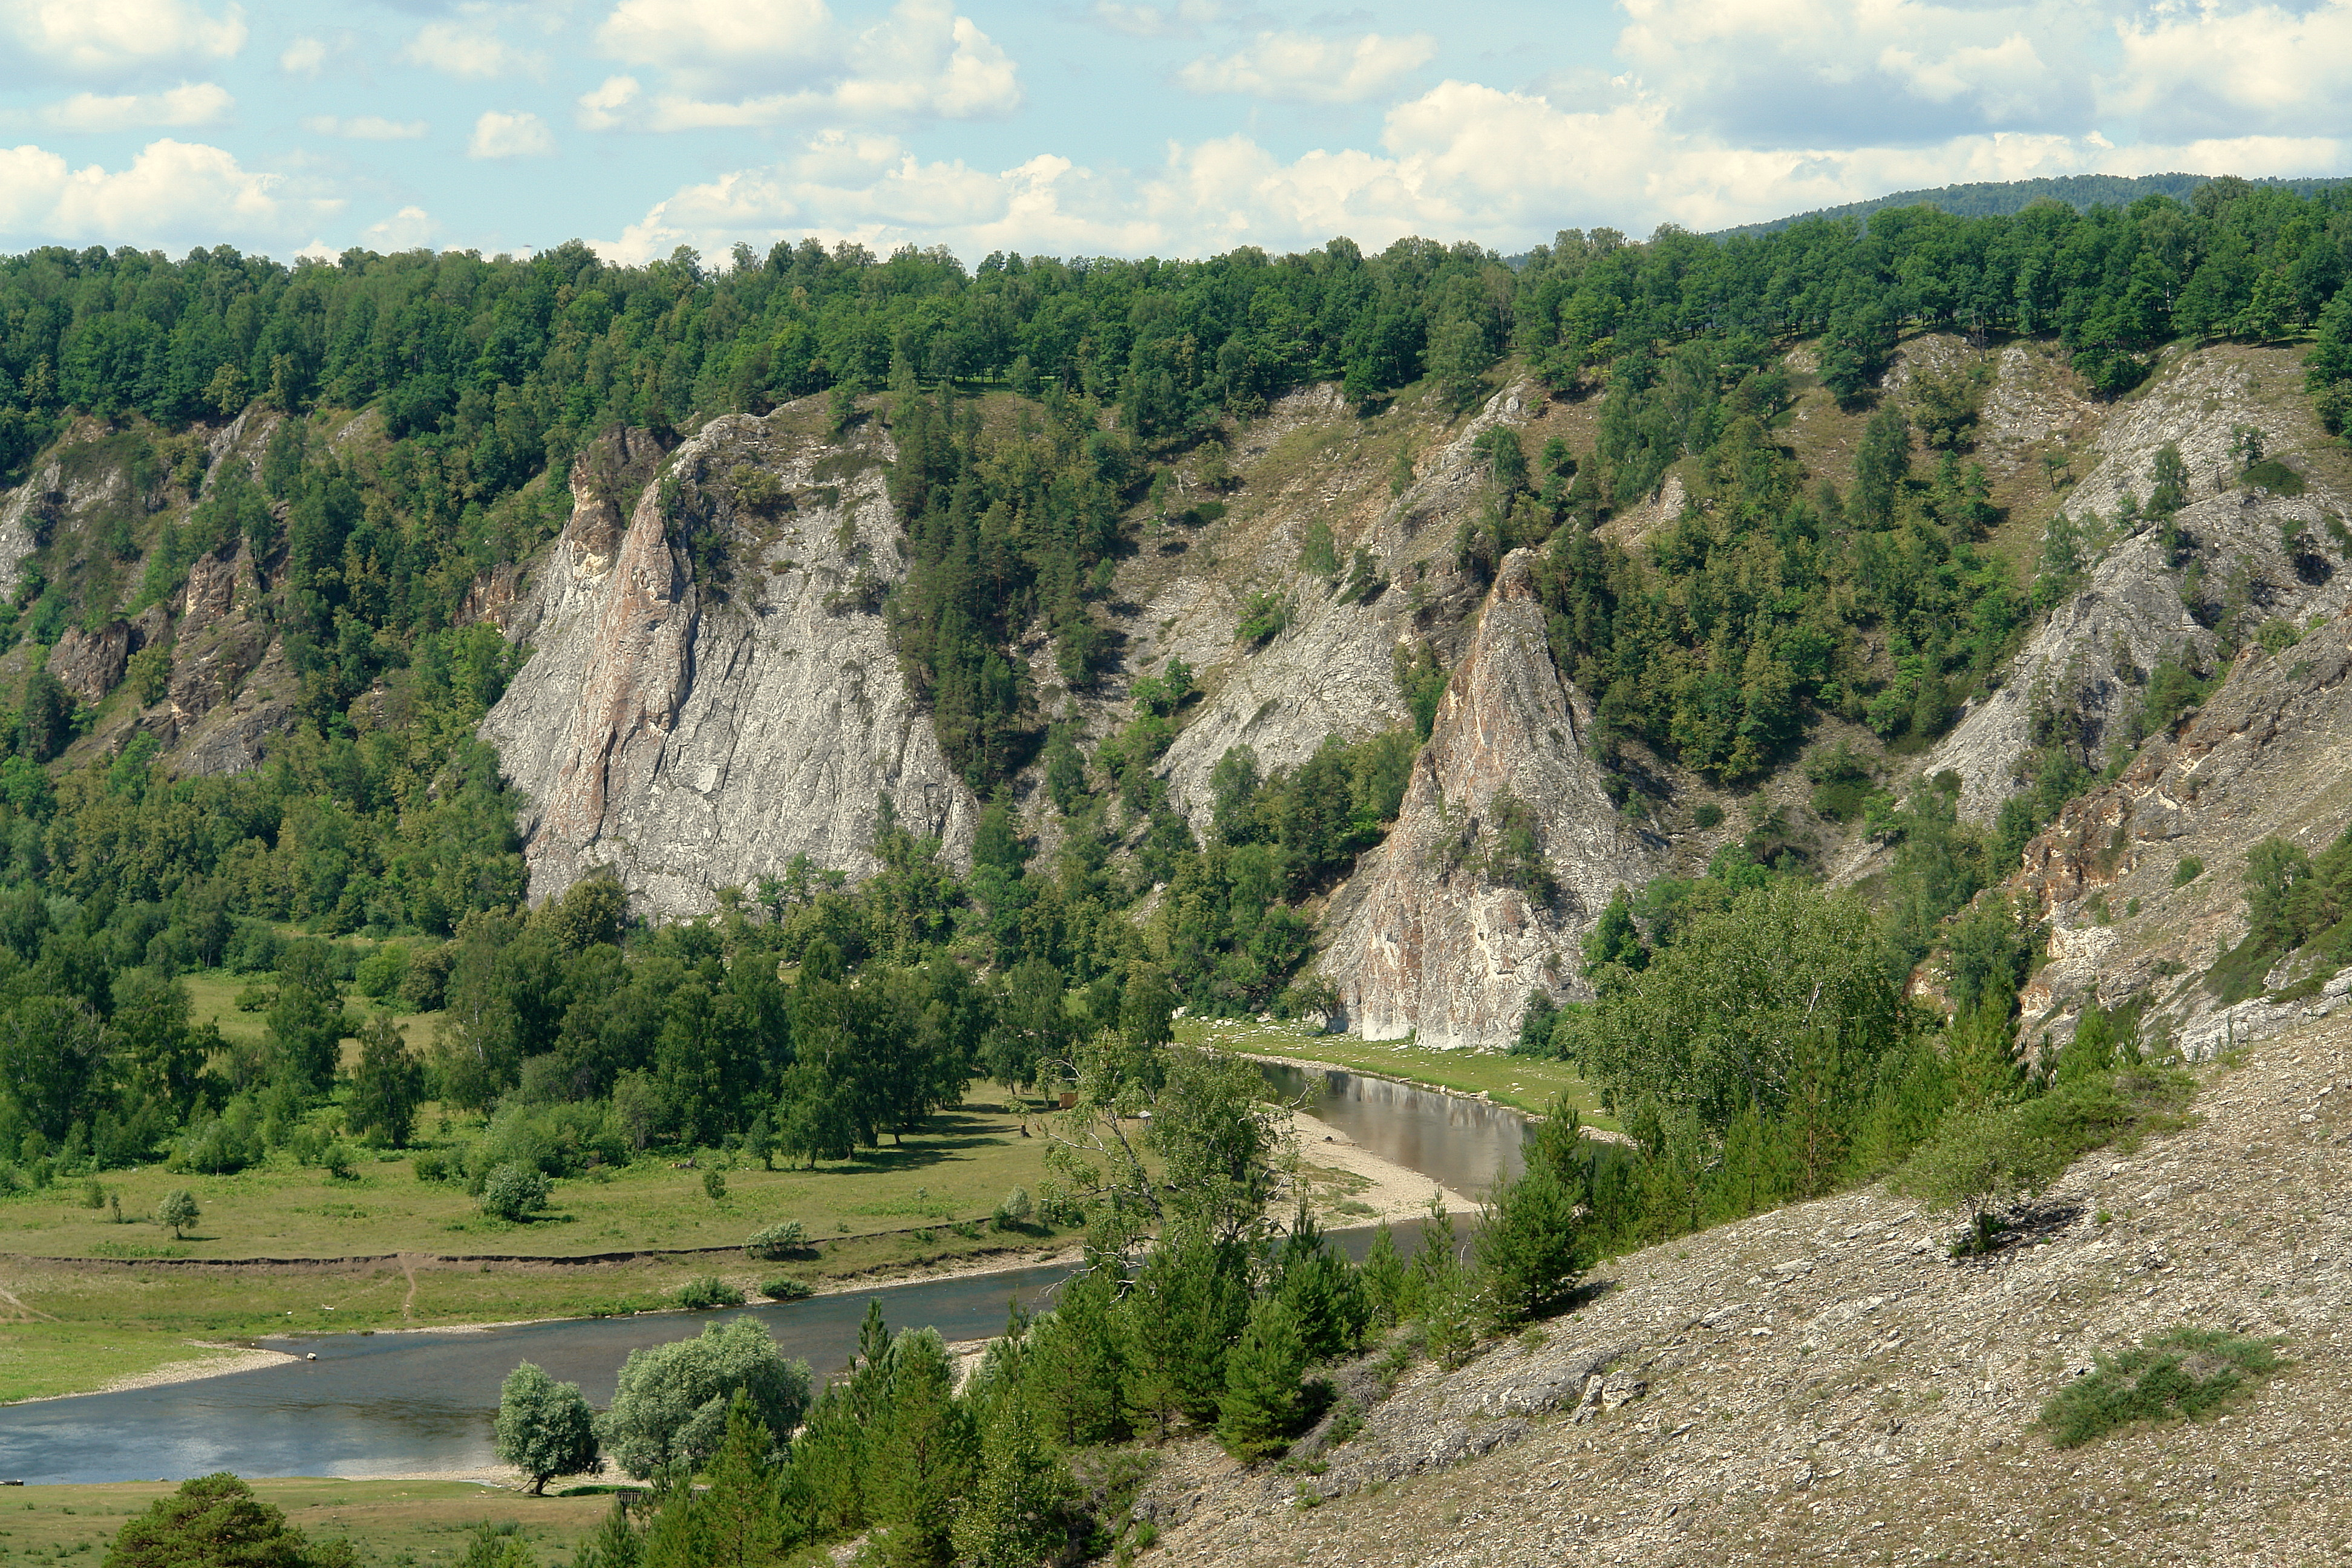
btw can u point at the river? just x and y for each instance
(398, 1403)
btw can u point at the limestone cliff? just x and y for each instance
(694, 735)
(2090, 658)
(1424, 937)
(2142, 882)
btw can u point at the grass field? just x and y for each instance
(1527, 1083)
(957, 1168)
(75, 1327)
(385, 1521)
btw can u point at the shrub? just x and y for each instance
(780, 1240)
(1706, 817)
(785, 1288)
(2187, 870)
(432, 1165)
(708, 1293)
(2182, 1375)
(1263, 614)
(514, 1192)
(714, 1186)
(1016, 1210)
(379, 974)
(217, 1518)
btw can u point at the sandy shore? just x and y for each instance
(231, 1359)
(1395, 1193)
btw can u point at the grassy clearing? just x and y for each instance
(78, 1326)
(1527, 1083)
(385, 1521)
(957, 1168)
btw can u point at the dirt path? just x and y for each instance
(22, 1312)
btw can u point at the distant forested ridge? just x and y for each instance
(1998, 198)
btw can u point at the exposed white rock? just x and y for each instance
(1421, 940)
(693, 738)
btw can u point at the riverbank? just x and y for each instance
(1530, 1085)
(105, 1325)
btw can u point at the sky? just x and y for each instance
(1102, 127)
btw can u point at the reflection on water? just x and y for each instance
(1459, 1143)
(395, 1404)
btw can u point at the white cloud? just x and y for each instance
(114, 37)
(410, 229)
(922, 61)
(1305, 69)
(1462, 161)
(365, 127)
(718, 41)
(2256, 68)
(467, 48)
(610, 106)
(303, 57)
(1859, 72)
(171, 192)
(191, 103)
(1183, 20)
(870, 188)
(517, 135)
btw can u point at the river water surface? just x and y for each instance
(396, 1404)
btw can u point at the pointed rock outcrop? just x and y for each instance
(1426, 939)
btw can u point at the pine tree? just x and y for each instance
(1178, 1320)
(737, 1503)
(1074, 1370)
(1321, 1290)
(923, 1454)
(617, 1543)
(1531, 1244)
(1265, 1397)
(1382, 1275)
(1018, 1514)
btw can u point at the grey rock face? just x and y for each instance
(1332, 671)
(693, 735)
(1423, 939)
(2092, 655)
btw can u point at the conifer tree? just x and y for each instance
(923, 1455)
(617, 1543)
(1531, 1244)
(1017, 1517)
(1265, 1397)
(1383, 1277)
(1074, 1370)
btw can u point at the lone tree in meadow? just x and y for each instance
(178, 1210)
(545, 1427)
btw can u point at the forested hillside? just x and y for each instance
(281, 540)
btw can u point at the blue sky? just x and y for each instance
(1183, 127)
